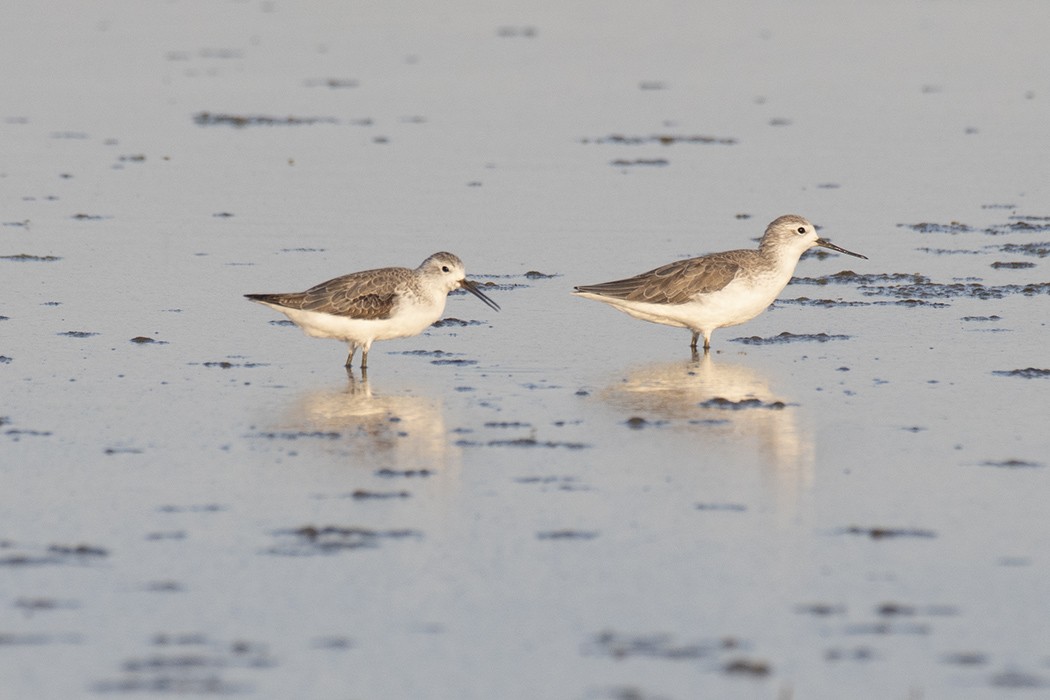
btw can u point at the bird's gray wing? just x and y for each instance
(371, 294)
(674, 283)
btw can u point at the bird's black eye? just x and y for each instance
(801, 229)
(444, 268)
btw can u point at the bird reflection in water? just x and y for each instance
(404, 432)
(728, 402)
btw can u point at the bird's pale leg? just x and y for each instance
(365, 347)
(696, 336)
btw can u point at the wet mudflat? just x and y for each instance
(845, 498)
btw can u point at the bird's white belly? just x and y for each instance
(407, 320)
(734, 304)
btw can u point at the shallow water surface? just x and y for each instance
(844, 498)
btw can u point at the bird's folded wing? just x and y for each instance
(365, 295)
(674, 283)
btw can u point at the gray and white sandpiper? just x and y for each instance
(363, 307)
(716, 290)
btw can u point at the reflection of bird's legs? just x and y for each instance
(353, 378)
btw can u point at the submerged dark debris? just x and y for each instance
(851, 277)
(836, 303)
(226, 364)
(729, 404)
(787, 337)
(329, 539)
(747, 667)
(364, 495)
(820, 609)
(1017, 679)
(650, 162)
(929, 227)
(300, 434)
(1026, 373)
(567, 535)
(331, 83)
(1011, 464)
(661, 139)
(188, 664)
(559, 483)
(37, 639)
(25, 257)
(638, 422)
(882, 533)
(657, 646)
(193, 508)
(243, 120)
(427, 353)
(965, 658)
(409, 473)
(30, 555)
(454, 322)
(916, 288)
(733, 507)
(1012, 265)
(1039, 250)
(523, 442)
(861, 653)
(1017, 224)
(971, 290)
(886, 628)
(947, 251)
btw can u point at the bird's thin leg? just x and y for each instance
(350, 357)
(364, 358)
(696, 336)
(707, 341)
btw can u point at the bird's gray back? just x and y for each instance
(677, 282)
(370, 294)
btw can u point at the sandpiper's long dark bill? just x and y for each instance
(716, 290)
(362, 307)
